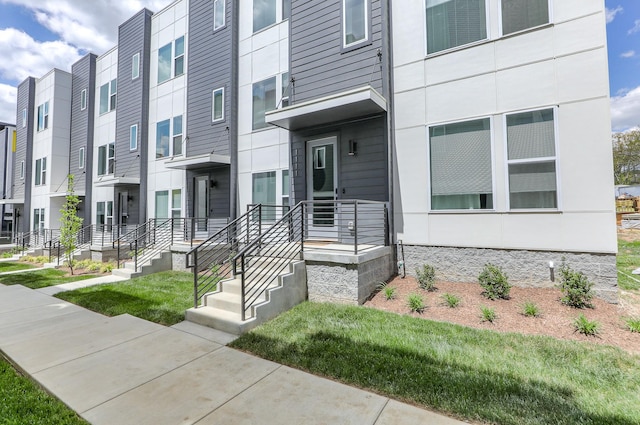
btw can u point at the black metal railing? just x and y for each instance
(262, 261)
(211, 259)
(35, 238)
(129, 245)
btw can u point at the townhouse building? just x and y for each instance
(474, 123)
(7, 161)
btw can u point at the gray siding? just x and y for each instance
(219, 196)
(24, 150)
(363, 176)
(82, 126)
(210, 66)
(319, 63)
(134, 36)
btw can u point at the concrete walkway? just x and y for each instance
(124, 370)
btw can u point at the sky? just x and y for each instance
(38, 35)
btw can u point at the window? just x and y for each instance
(176, 203)
(38, 219)
(43, 116)
(178, 68)
(133, 137)
(518, 15)
(264, 14)
(83, 99)
(106, 159)
(531, 158)
(286, 9)
(162, 204)
(104, 213)
(81, 158)
(162, 138)
(285, 187)
(164, 63)
(177, 135)
(21, 169)
(285, 90)
(461, 170)
(218, 14)
(264, 99)
(355, 21)
(24, 118)
(452, 23)
(217, 108)
(264, 192)
(135, 66)
(108, 96)
(41, 171)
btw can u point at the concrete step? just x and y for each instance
(126, 273)
(220, 319)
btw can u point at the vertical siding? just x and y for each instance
(210, 59)
(319, 64)
(134, 36)
(24, 148)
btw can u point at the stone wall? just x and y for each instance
(524, 268)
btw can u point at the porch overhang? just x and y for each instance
(196, 162)
(15, 201)
(116, 181)
(352, 104)
(80, 194)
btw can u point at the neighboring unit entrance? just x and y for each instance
(201, 202)
(322, 179)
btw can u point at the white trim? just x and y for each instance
(82, 159)
(134, 148)
(22, 170)
(83, 99)
(344, 25)
(135, 70)
(213, 105)
(224, 13)
(24, 117)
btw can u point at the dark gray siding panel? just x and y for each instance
(219, 206)
(363, 176)
(134, 36)
(82, 127)
(24, 148)
(210, 66)
(319, 63)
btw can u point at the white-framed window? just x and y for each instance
(218, 14)
(520, 15)
(41, 171)
(286, 90)
(176, 203)
(162, 204)
(355, 22)
(81, 158)
(263, 191)
(454, 23)
(24, 117)
(43, 116)
(135, 66)
(83, 99)
(178, 61)
(21, 169)
(461, 166)
(264, 14)
(531, 159)
(38, 219)
(104, 213)
(217, 105)
(106, 159)
(286, 185)
(133, 137)
(264, 100)
(164, 63)
(177, 136)
(168, 208)
(108, 96)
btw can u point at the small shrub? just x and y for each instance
(427, 277)
(530, 309)
(415, 303)
(451, 300)
(106, 267)
(576, 288)
(488, 314)
(389, 293)
(633, 325)
(495, 282)
(42, 259)
(586, 326)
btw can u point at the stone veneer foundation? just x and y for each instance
(524, 268)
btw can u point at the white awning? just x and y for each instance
(199, 161)
(110, 181)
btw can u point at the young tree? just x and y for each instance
(70, 223)
(626, 157)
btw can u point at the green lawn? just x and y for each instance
(467, 373)
(628, 259)
(160, 297)
(41, 278)
(23, 403)
(9, 266)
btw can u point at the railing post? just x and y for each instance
(193, 231)
(302, 216)
(355, 228)
(387, 237)
(242, 291)
(135, 258)
(59, 253)
(195, 278)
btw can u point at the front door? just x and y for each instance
(322, 184)
(201, 203)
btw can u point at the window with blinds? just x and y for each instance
(461, 170)
(519, 15)
(453, 23)
(531, 158)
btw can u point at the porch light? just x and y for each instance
(353, 148)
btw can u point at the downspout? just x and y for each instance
(233, 130)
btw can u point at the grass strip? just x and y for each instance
(160, 297)
(42, 278)
(471, 374)
(9, 266)
(24, 403)
(627, 260)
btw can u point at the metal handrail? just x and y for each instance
(129, 238)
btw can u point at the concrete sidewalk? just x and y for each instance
(124, 370)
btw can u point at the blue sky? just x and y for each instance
(37, 35)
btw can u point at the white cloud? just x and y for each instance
(636, 27)
(611, 13)
(7, 104)
(625, 110)
(629, 54)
